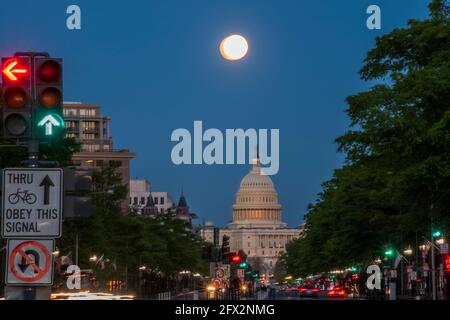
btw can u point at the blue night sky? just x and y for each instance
(154, 66)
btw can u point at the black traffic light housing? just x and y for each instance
(226, 249)
(16, 99)
(48, 111)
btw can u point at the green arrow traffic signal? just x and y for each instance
(52, 124)
(436, 233)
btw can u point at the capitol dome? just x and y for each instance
(256, 203)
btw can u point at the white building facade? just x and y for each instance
(140, 194)
(163, 201)
(256, 227)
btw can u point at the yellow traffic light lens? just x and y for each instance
(15, 98)
(15, 124)
(50, 98)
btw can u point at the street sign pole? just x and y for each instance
(433, 267)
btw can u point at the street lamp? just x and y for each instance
(408, 252)
(440, 241)
(422, 247)
(93, 258)
(142, 268)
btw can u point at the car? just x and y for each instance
(308, 291)
(337, 292)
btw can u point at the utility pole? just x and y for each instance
(76, 249)
(433, 266)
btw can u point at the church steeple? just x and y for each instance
(182, 202)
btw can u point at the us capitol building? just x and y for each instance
(256, 227)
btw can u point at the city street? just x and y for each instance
(224, 152)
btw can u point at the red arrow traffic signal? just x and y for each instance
(12, 70)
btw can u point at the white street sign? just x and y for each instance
(30, 262)
(32, 203)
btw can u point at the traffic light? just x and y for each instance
(388, 251)
(16, 98)
(226, 249)
(235, 258)
(436, 233)
(49, 98)
(243, 265)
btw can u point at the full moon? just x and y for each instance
(234, 47)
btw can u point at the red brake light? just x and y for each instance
(303, 290)
(315, 290)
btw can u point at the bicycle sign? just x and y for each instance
(32, 203)
(25, 196)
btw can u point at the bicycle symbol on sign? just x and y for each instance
(25, 196)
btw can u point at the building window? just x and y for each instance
(69, 112)
(87, 112)
(162, 200)
(156, 200)
(135, 200)
(142, 200)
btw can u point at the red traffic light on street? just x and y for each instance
(235, 258)
(15, 69)
(15, 98)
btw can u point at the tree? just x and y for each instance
(396, 177)
(279, 271)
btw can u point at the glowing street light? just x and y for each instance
(408, 252)
(436, 233)
(93, 258)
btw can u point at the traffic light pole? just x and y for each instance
(433, 267)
